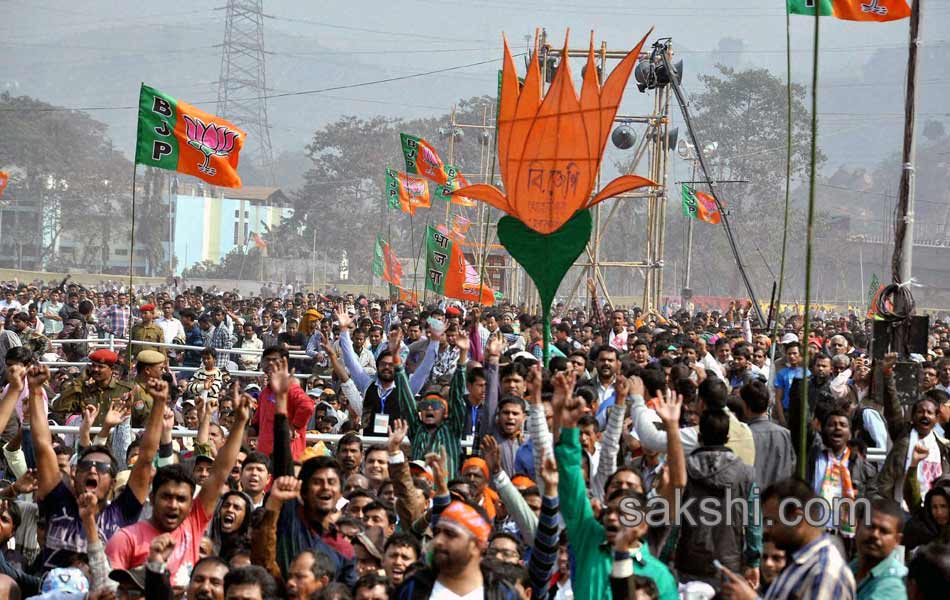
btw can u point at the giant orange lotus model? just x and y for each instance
(550, 147)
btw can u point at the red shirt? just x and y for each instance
(300, 409)
(128, 548)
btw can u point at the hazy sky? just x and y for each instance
(94, 53)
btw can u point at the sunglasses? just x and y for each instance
(88, 465)
(427, 404)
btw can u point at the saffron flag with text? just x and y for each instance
(456, 180)
(422, 159)
(385, 264)
(697, 205)
(449, 274)
(407, 192)
(852, 10)
(175, 135)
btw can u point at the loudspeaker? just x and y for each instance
(887, 338)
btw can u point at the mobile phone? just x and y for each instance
(719, 566)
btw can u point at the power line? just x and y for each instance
(272, 96)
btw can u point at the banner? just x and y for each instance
(449, 274)
(385, 264)
(853, 10)
(175, 135)
(421, 159)
(406, 192)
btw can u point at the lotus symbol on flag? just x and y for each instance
(210, 140)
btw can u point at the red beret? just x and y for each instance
(453, 311)
(146, 307)
(104, 355)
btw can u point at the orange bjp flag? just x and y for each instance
(177, 136)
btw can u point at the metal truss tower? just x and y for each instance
(242, 84)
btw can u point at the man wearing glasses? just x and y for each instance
(95, 473)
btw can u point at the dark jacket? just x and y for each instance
(774, 453)
(712, 471)
(890, 480)
(419, 586)
(862, 472)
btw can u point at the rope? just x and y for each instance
(803, 412)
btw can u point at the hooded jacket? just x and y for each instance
(715, 472)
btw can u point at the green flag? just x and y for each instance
(690, 204)
(807, 7)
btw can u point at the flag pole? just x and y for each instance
(128, 329)
(904, 234)
(813, 176)
(788, 193)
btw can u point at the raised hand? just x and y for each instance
(343, 317)
(26, 483)
(463, 343)
(437, 462)
(15, 376)
(397, 433)
(88, 506)
(157, 389)
(89, 414)
(37, 376)
(119, 410)
(242, 407)
(921, 452)
(168, 420)
(394, 340)
(549, 476)
(285, 488)
(494, 347)
(491, 453)
(570, 407)
(161, 548)
(622, 387)
(636, 386)
(533, 384)
(668, 408)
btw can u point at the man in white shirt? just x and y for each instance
(171, 327)
(50, 313)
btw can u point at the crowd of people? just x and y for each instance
(185, 443)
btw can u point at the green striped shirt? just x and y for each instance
(448, 435)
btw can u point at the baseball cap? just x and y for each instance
(788, 338)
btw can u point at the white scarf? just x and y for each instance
(929, 469)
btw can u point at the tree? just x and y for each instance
(68, 169)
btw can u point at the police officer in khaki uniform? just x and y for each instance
(98, 386)
(149, 364)
(147, 331)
